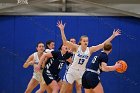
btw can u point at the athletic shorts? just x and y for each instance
(90, 80)
(49, 77)
(74, 75)
(37, 76)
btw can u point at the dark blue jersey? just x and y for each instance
(55, 64)
(97, 60)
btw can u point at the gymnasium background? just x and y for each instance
(20, 34)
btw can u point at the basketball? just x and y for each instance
(123, 68)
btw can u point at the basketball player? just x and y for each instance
(76, 70)
(90, 80)
(77, 85)
(33, 60)
(49, 47)
(53, 67)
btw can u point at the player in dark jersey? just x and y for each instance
(90, 80)
(55, 62)
(50, 45)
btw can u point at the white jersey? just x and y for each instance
(36, 58)
(80, 59)
(37, 75)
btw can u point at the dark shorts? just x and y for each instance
(49, 77)
(90, 80)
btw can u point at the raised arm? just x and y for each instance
(72, 46)
(29, 61)
(100, 46)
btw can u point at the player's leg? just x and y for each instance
(98, 88)
(44, 87)
(67, 83)
(89, 91)
(54, 86)
(78, 87)
(63, 87)
(88, 82)
(66, 87)
(50, 81)
(64, 84)
(32, 84)
(48, 89)
(78, 81)
(60, 83)
(70, 77)
(71, 88)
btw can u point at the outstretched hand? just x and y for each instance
(116, 32)
(118, 65)
(61, 25)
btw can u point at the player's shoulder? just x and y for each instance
(56, 53)
(33, 54)
(103, 55)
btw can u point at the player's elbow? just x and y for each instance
(65, 42)
(24, 66)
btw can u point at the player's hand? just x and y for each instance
(37, 68)
(61, 25)
(118, 65)
(116, 32)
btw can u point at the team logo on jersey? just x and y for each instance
(83, 56)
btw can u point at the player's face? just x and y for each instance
(84, 41)
(73, 41)
(64, 48)
(52, 45)
(40, 47)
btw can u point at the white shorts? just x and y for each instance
(38, 76)
(74, 75)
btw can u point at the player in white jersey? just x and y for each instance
(33, 60)
(77, 85)
(82, 55)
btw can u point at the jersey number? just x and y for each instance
(94, 59)
(81, 61)
(60, 65)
